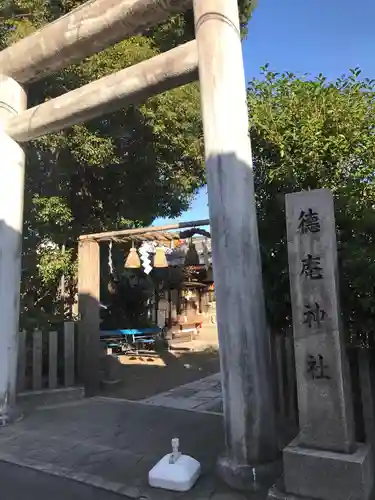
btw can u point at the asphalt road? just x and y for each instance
(19, 483)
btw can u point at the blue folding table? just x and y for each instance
(130, 339)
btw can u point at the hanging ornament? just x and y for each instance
(144, 252)
(206, 254)
(192, 257)
(132, 260)
(160, 259)
(110, 261)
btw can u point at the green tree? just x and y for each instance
(310, 133)
(121, 170)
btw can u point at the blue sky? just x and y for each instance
(305, 36)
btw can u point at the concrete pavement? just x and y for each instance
(112, 444)
(18, 483)
(203, 395)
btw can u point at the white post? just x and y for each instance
(12, 169)
(252, 452)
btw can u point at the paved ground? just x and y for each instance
(26, 484)
(113, 444)
(202, 396)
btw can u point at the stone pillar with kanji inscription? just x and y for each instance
(324, 462)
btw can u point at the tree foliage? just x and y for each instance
(120, 170)
(310, 133)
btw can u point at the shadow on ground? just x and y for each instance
(112, 444)
(136, 377)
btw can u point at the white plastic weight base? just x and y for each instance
(178, 476)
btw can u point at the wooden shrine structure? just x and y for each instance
(89, 287)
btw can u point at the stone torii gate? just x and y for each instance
(251, 449)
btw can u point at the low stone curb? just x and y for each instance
(81, 477)
(146, 403)
(34, 400)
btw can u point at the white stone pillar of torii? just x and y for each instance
(13, 100)
(251, 459)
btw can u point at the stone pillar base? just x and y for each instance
(277, 492)
(110, 369)
(248, 477)
(11, 416)
(325, 475)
